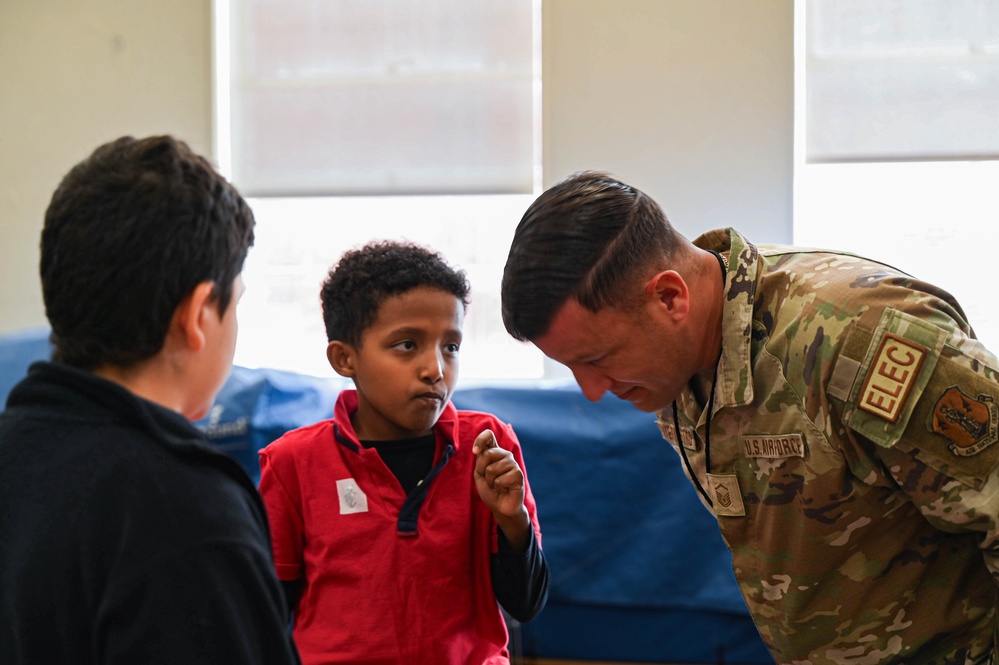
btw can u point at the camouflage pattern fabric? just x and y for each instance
(853, 459)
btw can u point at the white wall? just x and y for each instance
(690, 100)
(74, 74)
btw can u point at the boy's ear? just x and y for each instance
(341, 357)
(190, 317)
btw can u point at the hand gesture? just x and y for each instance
(498, 477)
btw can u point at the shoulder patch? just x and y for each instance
(956, 424)
(969, 423)
(892, 375)
(903, 384)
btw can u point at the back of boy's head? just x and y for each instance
(129, 233)
(363, 278)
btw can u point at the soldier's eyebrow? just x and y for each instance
(587, 357)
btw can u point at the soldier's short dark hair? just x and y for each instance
(589, 237)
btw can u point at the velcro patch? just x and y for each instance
(893, 373)
(947, 409)
(891, 377)
(726, 496)
(667, 429)
(969, 423)
(956, 423)
(687, 438)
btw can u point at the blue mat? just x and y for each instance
(639, 570)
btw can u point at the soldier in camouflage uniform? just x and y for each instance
(837, 416)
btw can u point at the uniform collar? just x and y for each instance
(735, 385)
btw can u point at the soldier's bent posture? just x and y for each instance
(837, 416)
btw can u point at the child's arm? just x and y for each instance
(519, 570)
(500, 482)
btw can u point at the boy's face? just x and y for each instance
(406, 366)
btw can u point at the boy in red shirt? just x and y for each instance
(398, 524)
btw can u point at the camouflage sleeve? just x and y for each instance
(924, 392)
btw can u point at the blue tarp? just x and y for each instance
(639, 570)
(256, 406)
(17, 351)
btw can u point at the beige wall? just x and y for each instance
(691, 100)
(76, 73)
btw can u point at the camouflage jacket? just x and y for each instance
(851, 459)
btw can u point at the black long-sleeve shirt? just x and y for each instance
(125, 537)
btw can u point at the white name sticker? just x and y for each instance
(352, 499)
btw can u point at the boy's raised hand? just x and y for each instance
(497, 476)
(500, 482)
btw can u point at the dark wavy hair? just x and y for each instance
(128, 234)
(589, 237)
(363, 278)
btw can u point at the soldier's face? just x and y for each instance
(632, 354)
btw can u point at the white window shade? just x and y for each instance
(902, 80)
(371, 97)
(899, 106)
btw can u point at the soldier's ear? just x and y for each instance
(667, 289)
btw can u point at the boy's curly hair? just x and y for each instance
(363, 278)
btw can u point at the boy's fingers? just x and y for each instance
(509, 477)
(484, 441)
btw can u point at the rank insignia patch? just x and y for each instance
(970, 424)
(727, 496)
(891, 377)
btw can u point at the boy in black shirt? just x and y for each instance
(124, 537)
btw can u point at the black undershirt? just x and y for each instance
(410, 460)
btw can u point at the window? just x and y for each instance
(897, 136)
(344, 121)
(901, 80)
